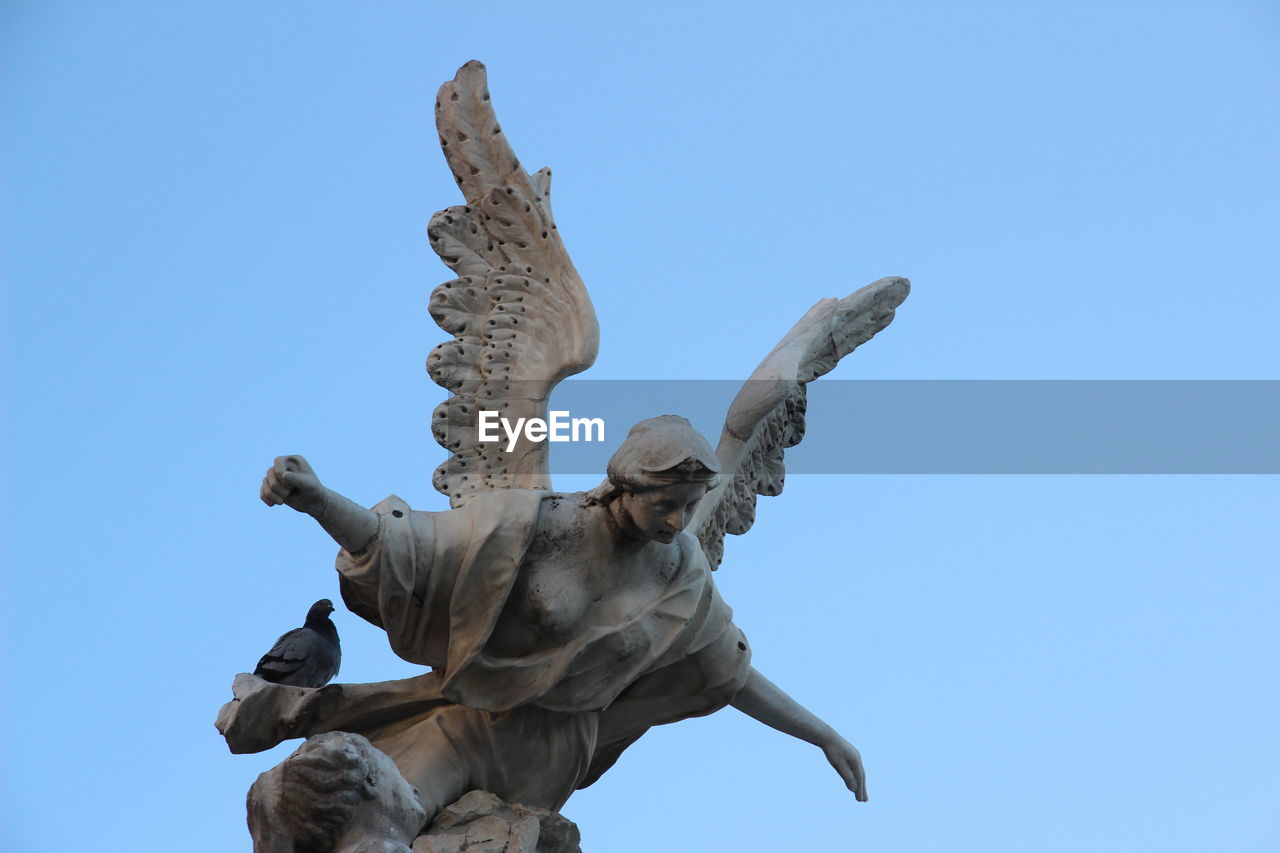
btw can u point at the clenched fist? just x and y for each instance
(290, 481)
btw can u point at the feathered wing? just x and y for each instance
(767, 415)
(301, 657)
(285, 658)
(518, 311)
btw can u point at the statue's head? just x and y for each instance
(658, 475)
(334, 784)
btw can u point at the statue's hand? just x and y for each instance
(290, 481)
(847, 761)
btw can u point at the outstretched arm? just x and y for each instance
(290, 481)
(765, 701)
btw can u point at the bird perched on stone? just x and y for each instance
(305, 657)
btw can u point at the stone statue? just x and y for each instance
(558, 627)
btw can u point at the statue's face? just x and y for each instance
(660, 514)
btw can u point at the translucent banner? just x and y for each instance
(934, 426)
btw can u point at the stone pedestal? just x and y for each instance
(482, 823)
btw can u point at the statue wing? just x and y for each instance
(519, 313)
(767, 415)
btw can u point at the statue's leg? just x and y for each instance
(528, 755)
(537, 757)
(436, 755)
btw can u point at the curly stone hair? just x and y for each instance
(321, 787)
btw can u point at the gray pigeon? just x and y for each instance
(305, 657)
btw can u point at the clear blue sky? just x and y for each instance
(214, 253)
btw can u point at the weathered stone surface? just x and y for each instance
(558, 627)
(334, 794)
(472, 806)
(480, 822)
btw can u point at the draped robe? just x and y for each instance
(530, 728)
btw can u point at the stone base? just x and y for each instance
(483, 823)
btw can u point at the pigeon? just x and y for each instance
(305, 657)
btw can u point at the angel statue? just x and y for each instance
(558, 627)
